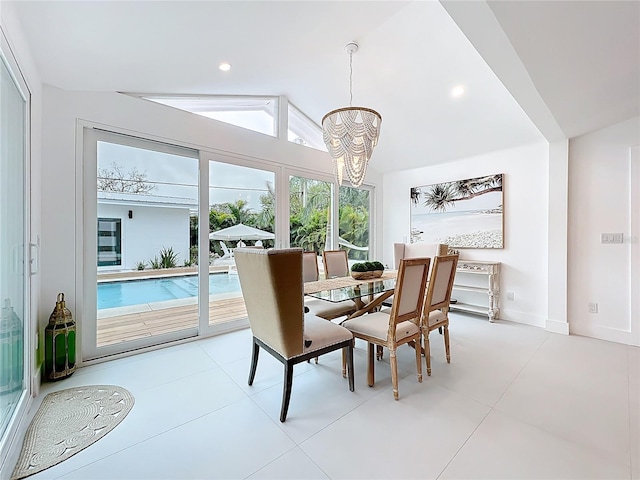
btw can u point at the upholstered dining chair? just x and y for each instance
(415, 250)
(272, 287)
(322, 308)
(336, 263)
(418, 250)
(436, 308)
(399, 326)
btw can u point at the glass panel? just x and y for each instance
(147, 233)
(353, 234)
(303, 131)
(242, 202)
(310, 223)
(253, 113)
(12, 247)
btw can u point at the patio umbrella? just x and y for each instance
(241, 232)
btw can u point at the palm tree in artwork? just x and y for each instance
(441, 196)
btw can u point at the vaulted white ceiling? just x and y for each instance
(529, 68)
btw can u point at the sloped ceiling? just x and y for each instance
(528, 68)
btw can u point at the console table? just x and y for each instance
(478, 285)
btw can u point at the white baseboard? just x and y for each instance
(556, 326)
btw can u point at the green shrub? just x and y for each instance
(168, 258)
(141, 265)
(378, 265)
(155, 263)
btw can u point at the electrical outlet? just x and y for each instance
(511, 296)
(593, 308)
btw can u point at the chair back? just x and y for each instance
(417, 250)
(310, 267)
(441, 283)
(271, 282)
(409, 294)
(335, 263)
(225, 249)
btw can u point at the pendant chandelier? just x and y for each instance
(351, 133)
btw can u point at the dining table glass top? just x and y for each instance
(347, 288)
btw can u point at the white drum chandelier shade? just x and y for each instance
(351, 134)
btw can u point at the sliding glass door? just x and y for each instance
(141, 254)
(14, 319)
(242, 212)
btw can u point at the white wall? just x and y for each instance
(600, 189)
(524, 258)
(150, 230)
(61, 257)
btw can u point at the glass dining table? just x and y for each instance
(367, 294)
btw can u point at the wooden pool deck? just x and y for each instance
(122, 328)
(132, 326)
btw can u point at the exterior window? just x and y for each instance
(354, 224)
(109, 242)
(303, 131)
(250, 112)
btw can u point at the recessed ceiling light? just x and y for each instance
(457, 91)
(225, 67)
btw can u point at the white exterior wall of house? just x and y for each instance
(150, 230)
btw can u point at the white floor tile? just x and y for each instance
(515, 402)
(505, 448)
(413, 437)
(293, 465)
(570, 396)
(233, 442)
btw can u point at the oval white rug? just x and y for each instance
(67, 422)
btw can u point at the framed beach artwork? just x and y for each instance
(462, 214)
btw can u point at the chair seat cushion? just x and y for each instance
(376, 325)
(329, 310)
(436, 317)
(322, 333)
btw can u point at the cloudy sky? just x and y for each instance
(177, 176)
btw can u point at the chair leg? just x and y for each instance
(254, 361)
(418, 359)
(286, 390)
(349, 354)
(370, 367)
(394, 372)
(446, 343)
(379, 352)
(427, 352)
(344, 362)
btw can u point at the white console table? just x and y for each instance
(477, 283)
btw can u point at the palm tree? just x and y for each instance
(443, 195)
(266, 218)
(239, 211)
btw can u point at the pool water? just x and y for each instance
(135, 292)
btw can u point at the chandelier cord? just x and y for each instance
(350, 79)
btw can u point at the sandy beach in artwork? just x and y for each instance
(459, 229)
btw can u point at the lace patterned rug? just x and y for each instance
(69, 421)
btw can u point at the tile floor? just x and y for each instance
(515, 403)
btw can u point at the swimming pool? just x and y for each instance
(135, 292)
